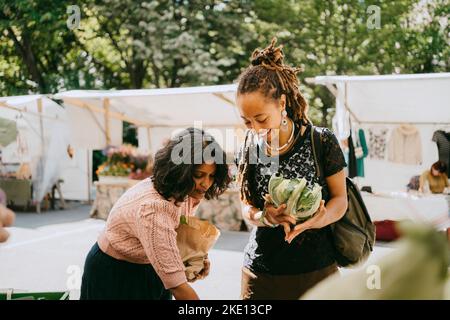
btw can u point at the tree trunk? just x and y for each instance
(26, 53)
(137, 74)
(174, 74)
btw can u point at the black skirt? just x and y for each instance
(106, 278)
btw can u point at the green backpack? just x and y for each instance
(354, 234)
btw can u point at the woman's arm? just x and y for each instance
(252, 215)
(184, 292)
(271, 217)
(332, 212)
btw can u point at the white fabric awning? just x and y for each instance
(174, 107)
(411, 98)
(387, 101)
(157, 113)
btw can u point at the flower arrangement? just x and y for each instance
(114, 169)
(125, 161)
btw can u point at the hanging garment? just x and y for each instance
(341, 124)
(360, 155)
(442, 140)
(377, 142)
(405, 145)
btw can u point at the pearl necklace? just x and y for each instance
(284, 145)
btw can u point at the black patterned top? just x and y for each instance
(267, 251)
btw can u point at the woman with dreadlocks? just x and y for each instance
(284, 260)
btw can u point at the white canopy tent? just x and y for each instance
(96, 116)
(42, 139)
(422, 100)
(388, 101)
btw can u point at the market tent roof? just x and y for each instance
(33, 105)
(412, 98)
(96, 116)
(174, 107)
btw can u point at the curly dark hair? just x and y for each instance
(174, 168)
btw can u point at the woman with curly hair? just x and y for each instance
(136, 256)
(283, 260)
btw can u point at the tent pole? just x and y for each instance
(41, 132)
(113, 114)
(149, 142)
(332, 89)
(97, 122)
(221, 96)
(346, 104)
(41, 123)
(89, 154)
(107, 128)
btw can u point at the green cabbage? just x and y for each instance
(292, 202)
(309, 202)
(302, 202)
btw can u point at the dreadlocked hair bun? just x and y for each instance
(270, 57)
(269, 75)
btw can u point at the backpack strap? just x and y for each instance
(316, 143)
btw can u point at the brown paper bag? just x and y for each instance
(195, 237)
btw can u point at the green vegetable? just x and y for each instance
(302, 202)
(282, 192)
(295, 197)
(183, 219)
(273, 183)
(309, 202)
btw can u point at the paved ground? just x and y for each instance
(46, 252)
(76, 211)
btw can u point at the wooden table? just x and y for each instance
(19, 192)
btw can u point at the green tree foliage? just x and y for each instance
(337, 37)
(34, 41)
(152, 44)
